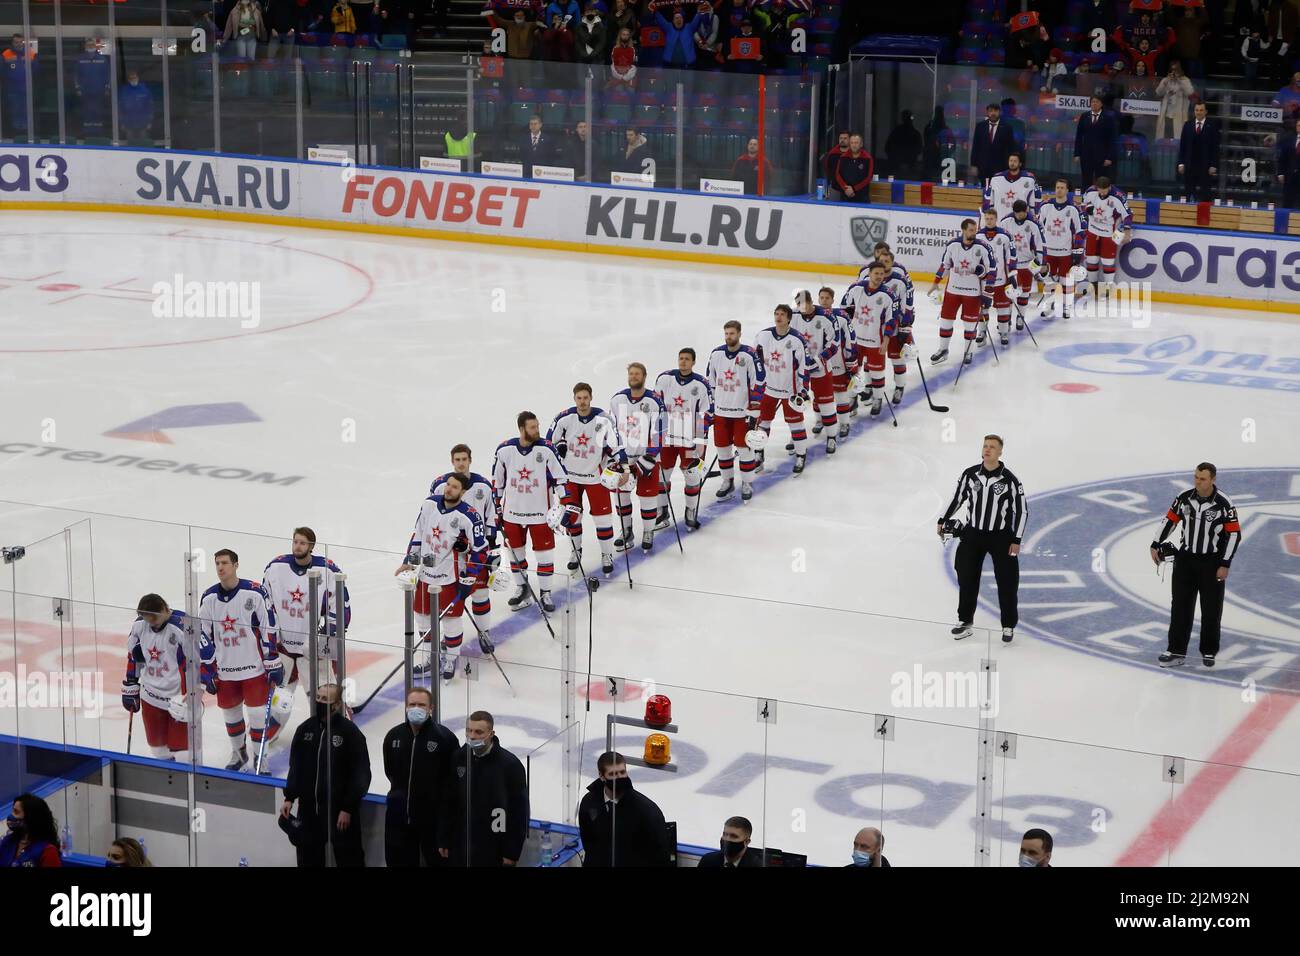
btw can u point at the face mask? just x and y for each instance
(15, 825)
(476, 744)
(731, 847)
(112, 865)
(1027, 860)
(416, 716)
(861, 859)
(322, 711)
(620, 785)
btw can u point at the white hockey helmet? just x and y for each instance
(614, 479)
(555, 516)
(281, 705)
(756, 438)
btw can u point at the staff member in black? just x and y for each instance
(328, 784)
(1211, 533)
(997, 515)
(417, 761)
(619, 825)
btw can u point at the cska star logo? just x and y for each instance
(583, 439)
(228, 624)
(296, 595)
(679, 402)
(964, 264)
(524, 482)
(155, 655)
(729, 379)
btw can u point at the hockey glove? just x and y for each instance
(980, 271)
(413, 558)
(643, 465)
(561, 449)
(131, 696)
(274, 671)
(208, 677)
(460, 545)
(429, 561)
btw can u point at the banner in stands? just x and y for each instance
(772, 233)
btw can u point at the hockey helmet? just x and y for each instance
(613, 478)
(756, 438)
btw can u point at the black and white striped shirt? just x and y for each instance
(1210, 525)
(996, 499)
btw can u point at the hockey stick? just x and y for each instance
(492, 654)
(709, 473)
(924, 384)
(1024, 317)
(989, 332)
(130, 726)
(890, 406)
(969, 342)
(672, 511)
(266, 731)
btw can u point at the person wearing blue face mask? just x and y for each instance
(417, 761)
(1036, 848)
(126, 852)
(488, 820)
(867, 848)
(32, 839)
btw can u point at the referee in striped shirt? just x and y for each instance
(1211, 533)
(997, 515)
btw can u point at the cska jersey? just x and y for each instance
(157, 659)
(478, 496)
(787, 360)
(1004, 189)
(737, 379)
(1004, 255)
(899, 276)
(522, 479)
(285, 581)
(960, 262)
(592, 442)
(874, 313)
(847, 352)
(821, 335)
(1027, 238)
(239, 624)
(688, 404)
(438, 527)
(1062, 227)
(1105, 215)
(640, 422)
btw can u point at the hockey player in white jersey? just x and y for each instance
(735, 372)
(285, 582)
(479, 496)
(875, 313)
(524, 473)
(965, 261)
(1027, 237)
(449, 549)
(155, 685)
(819, 330)
(843, 363)
(688, 404)
(1009, 186)
(1062, 227)
(1108, 224)
(585, 439)
(788, 362)
(901, 346)
(238, 620)
(996, 282)
(639, 416)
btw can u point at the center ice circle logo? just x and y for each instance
(1087, 581)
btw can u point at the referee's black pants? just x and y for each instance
(969, 563)
(1195, 576)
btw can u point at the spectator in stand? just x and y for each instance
(245, 28)
(1085, 82)
(619, 825)
(1096, 136)
(1289, 97)
(15, 85)
(1036, 848)
(573, 152)
(868, 849)
(1254, 47)
(775, 23)
(1098, 14)
(1283, 24)
(92, 84)
(990, 144)
(521, 36)
(679, 43)
(32, 839)
(745, 169)
(707, 38)
(1141, 86)
(1053, 71)
(1027, 49)
(1249, 16)
(488, 822)
(536, 147)
(741, 65)
(1191, 27)
(1175, 92)
(623, 17)
(559, 19)
(853, 171)
(733, 851)
(591, 36)
(622, 60)
(1143, 52)
(126, 852)
(396, 18)
(936, 140)
(636, 156)
(829, 160)
(280, 17)
(341, 16)
(1198, 155)
(903, 148)
(1288, 166)
(135, 108)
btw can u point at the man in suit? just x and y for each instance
(1198, 155)
(1288, 167)
(537, 147)
(735, 851)
(1095, 142)
(992, 142)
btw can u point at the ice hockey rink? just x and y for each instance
(828, 595)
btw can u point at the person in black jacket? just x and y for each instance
(734, 852)
(328, 783)
(992, 142)
(620, 826)
(868, 849)
(536, 147)
(1198, 155)
(417, 761)
(488, 819)
(573, 152)
(1095, 142)
(1288, 167)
